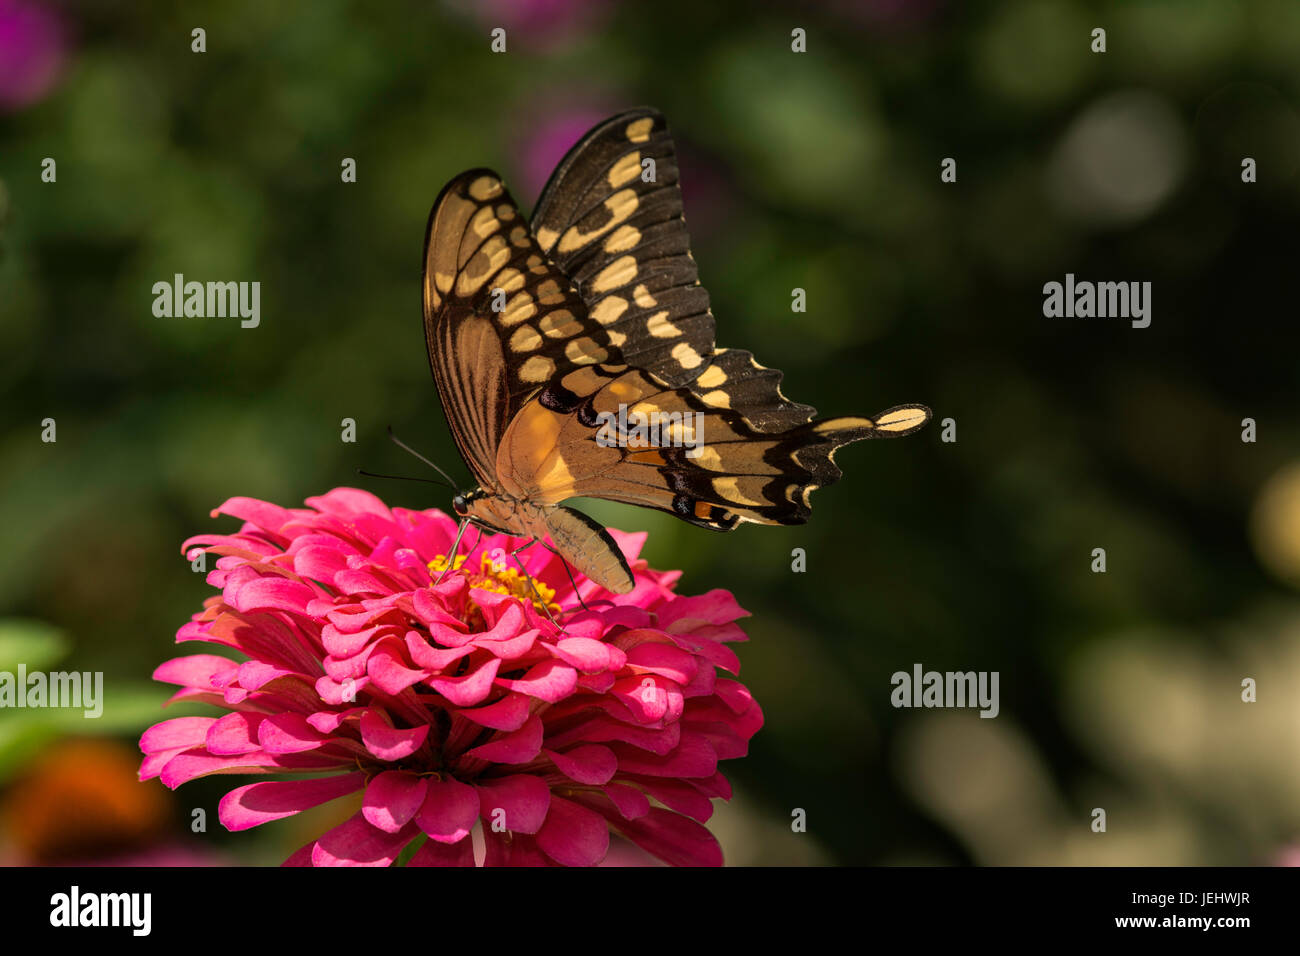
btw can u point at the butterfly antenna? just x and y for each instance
(431, 481)
(407, 448)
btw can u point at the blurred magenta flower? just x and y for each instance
(554, 125)
(454, 702)
(550, 137)
(33, 46)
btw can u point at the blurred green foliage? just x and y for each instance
(818, 171)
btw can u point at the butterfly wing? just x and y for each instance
(499, 321)
(536, 337)
(610, 218)
(706, 464)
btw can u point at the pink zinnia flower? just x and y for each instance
(457, 707)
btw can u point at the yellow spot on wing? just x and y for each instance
(510, 280)
(901, 419)
(729, 489)
(618, 273)
(484, 223)
(624, 171)
(608, 309)
(638, 131)
(642, 297)
(520, 307)
(546, 238)
(485, 188)
(622, 239)
(525, 339)
(659, 326)
(718, 399)
(560, 324)
(712, 377)
(686, 356)
(537, 369)
(832, 425)
(585, 351)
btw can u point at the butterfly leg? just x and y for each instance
(569, 572)
(533, 584)
(455, 550)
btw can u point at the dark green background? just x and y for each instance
(821, 171)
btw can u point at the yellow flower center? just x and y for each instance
(495, 576)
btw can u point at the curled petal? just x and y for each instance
(392, 800)
(573, 835)
(449, 811)
(387, 742)
(260, 803)
(356, 843)
(518, 802)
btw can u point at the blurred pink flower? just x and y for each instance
(33, 46)
(550, 137)
(454, 702)
(553, 129)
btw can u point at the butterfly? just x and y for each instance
(575, 357)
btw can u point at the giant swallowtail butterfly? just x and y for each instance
(538, 335)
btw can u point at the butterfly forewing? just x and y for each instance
(500, 321)
(611, 218)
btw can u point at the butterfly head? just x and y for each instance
(491, 512)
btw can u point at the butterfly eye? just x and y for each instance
(460, 505)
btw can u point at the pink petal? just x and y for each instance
(591, 763)
(179, 732)
(508, 713)
(271, 594)
(288, 733)
(519, 747)
(590, 656)
(196, 670)
(470, 689)
(356, 843)
(675, 839)
(388, 671)
(433, 658)
(433, 853)
(387, 742)
(392, 799)
(665, 659)
(522, 799)
(551, 681)
(449, 811)
(190, 765)
(573, 835)
(260, 803)
(234, 734)
(265, 515)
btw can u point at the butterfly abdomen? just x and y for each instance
(590, 549)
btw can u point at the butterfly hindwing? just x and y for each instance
(703, 463)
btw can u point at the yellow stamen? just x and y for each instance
(501, 580)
